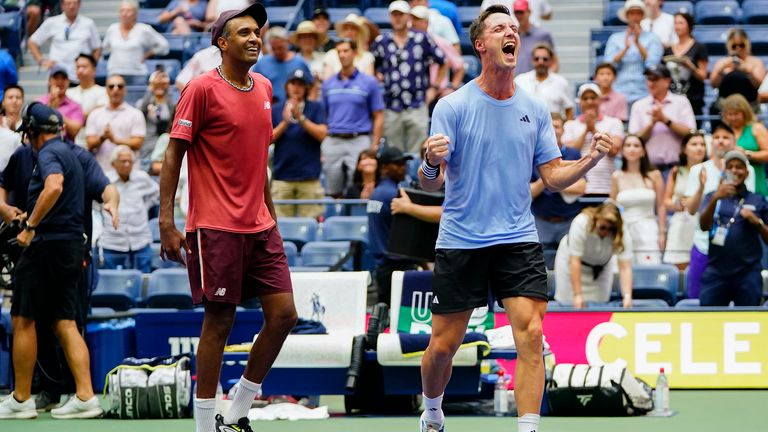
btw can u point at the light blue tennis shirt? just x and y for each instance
(494, 146)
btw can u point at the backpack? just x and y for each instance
(150, 388)
(594, 391)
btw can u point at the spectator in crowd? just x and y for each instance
(10, 140)
(403, 58)
(612, 103)
(632, 51)
(578, 134)
(554, 211)
(639, 189)
(687, 61)
(58, 83)
(184, 16)
(762, 94)
(420, 21)
(739, 72)
(70, 34)
(216, 7)
(201, 62)
(322, 21)
(530, 35)
(661, 119)
(114, 124)
(8, 74)
(276, 67)
(550, 87)
(736, 219)
(439, 25)
(682, 224)
(751, 137)
(299, 129)
(659, 23)
(355, 118)
(34, 11)
(87, 94)
(128, 246)
(447, 9)
(158, 108)
(366, 176)
(308, 40)
(583, 272)
(351, 28)
(540, 9)
(703, 179)
(129, 43)
(381, 207)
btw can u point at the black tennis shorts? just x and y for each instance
(463, 278)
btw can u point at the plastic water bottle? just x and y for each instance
(661, 395)
(500, 396)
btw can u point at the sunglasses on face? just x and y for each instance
(120, 86)
(606, 228)
(738, 46)
(543, 59)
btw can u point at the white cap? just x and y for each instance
(399, 6)
(589, 87)
(420, 12)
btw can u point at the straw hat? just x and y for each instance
(304, 28)
(631, 4)
(355, 20)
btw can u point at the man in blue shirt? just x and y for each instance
(354, 110)
(487, 137)
(277, 67)
(735, 219)
(49, 269)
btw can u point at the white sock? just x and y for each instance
(433, 408)
(205, 414)
(528, 423)
(246, 392)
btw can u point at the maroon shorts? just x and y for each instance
(232, 267)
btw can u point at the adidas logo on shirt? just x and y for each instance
(434, 300)
(525, 119)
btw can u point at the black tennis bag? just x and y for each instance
(596, 391)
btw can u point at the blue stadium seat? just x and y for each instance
(325, 254)
(155, 3)
(713, 38)
(378, 16)
(117, 289)
(338, 14)
(154, 227)
(718, 12)
(158, 263)
(172, 67)
(11, 32)
(299, 230)
(282, 15)
(291, 252)
(690, 303)
(134, 92)
(346, 228)
(467, 14)
(149, 16)
(657, 281)
(673, 7)
(599, 37)
(472, 67)
(754, 11)
(611, 17)
(466, 43)
(758, 37)
(169, 288)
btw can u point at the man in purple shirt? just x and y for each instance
(354, 113)
(403, 58)
(530, 36)
(58, 83)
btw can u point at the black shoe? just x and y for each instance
(243, 425)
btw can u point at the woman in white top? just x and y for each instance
(308, 40)
(682, 224)
(639, 189)
(583, 262)
(353, 27)
(129, 43)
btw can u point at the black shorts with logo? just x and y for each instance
(464, 278)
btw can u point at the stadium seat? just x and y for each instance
(134, 92)
(159, 263)
(673, 7)
(717, 12)
(466, 43)
(657, 281)
(171, 66)
(346, 228)
(758, 37)
(117, 289)
(599, 37)
(713, 38)
(291, 252)
(149, 16)
(378, 16)
(338, 14)
(645, 303)
(471, 67)
(155, 3)
(467, 14)
(299, 230)
(754, 12)
(690, 303)
(611, 17)
(169, 288)
(282, 15)
(326, 254)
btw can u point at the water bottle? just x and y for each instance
(500, 396)
(661, 395)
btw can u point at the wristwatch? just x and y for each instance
(25, 226)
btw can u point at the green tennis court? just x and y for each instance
(699, 411)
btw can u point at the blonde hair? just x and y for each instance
(607, 211)
(732, 33)
(737, 102)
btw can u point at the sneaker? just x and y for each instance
(45, 402)
(10, 408)
(431, 426)
(74, 408)
(243, 425)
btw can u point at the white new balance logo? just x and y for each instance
(525, 119)
(220, 292)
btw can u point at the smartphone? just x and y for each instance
(729, 177)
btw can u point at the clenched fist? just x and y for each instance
(437, 149)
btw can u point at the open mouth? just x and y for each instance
(508, 48)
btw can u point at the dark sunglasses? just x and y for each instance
(738, 45)
(606, 228)
(120, 86)
(544, 59)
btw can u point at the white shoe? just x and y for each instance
(77, 409)
(10, 408)
(431, 426)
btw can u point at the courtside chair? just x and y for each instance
(169, 288)
(655, 281)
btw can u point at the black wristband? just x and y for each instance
(426, 161)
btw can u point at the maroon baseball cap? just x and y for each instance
(255, 10)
